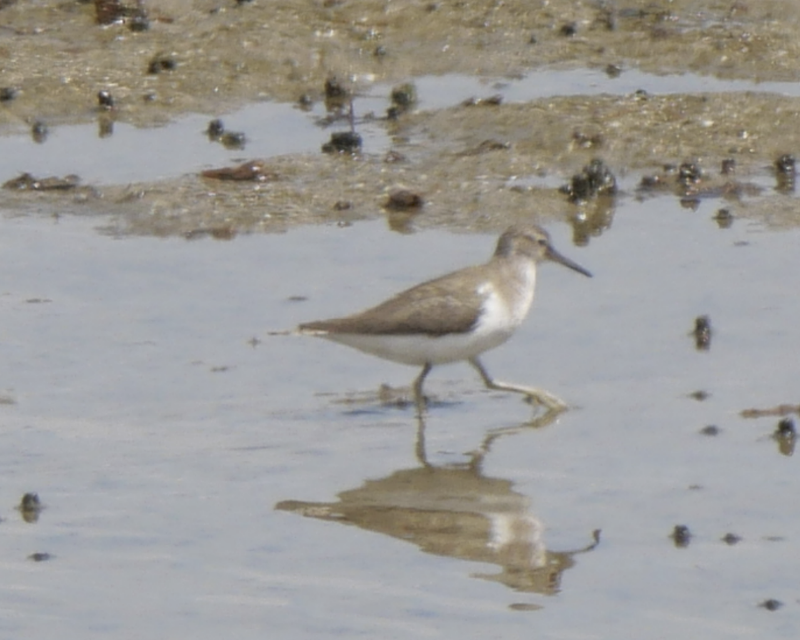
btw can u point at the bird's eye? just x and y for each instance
(542, 242)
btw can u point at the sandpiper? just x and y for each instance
(457, 316)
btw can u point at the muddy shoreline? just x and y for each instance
(225, 55)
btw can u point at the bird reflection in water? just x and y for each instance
(456, 511)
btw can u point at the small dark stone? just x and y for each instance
(379, 51)
(40, 557)
(568, 30)
(30, 502)
(105, 100)
(404, 200)
(710, 430)
(785, 173)
(342, 205)
(215, 128)
(305, 101)
(689, 173)
(785, 428)
(595, 179)
(139, 22)
(786, 436)
(334, 89)
(39, 131)
(27, 182)
(492, 101)
(253, 170)
(728, 166)
(161, 62)
(7, 94)
(613, 70)
(533, 39)
(771, 604)
(30, 507)
(404, 95)
(343, 142)
(785, 164)
(723, 218)
(731, 539)
(700, 395)
(702, 333)
(681, 535)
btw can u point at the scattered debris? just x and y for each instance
(343, 142)
(26, 182)
(253, 171)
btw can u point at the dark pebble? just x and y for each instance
(785, 428)
(39, 131)
(404, 200)
(161, 62)
(731, 538)
(334, 89)
(595, 179)
(728, 166)
(105, 100)
(723, 218)
(771, 604)
(7, 94)
(681, 535)
(215, 128)
(343, 142)
(568, 30)
(689, 173)
(30, 502)
(785, 164)
(702, 333)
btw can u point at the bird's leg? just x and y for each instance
(550, 401)
(419, 398)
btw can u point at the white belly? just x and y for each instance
(496, 325)
(418, 349)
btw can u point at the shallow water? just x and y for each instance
(132, 154)
(173, 455)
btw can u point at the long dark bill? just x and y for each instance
(555, 256)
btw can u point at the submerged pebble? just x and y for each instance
(702, 333)
(681, 535)
(595, 179)
(342, 142)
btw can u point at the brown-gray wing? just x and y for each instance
(436, 307)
